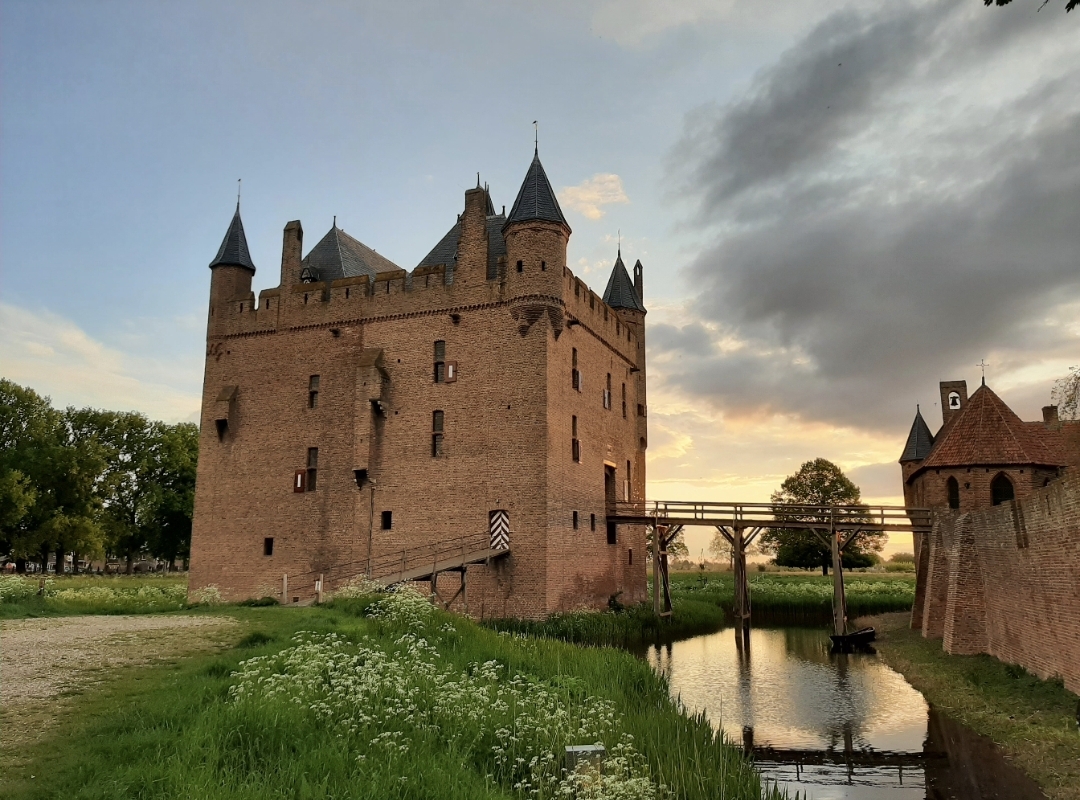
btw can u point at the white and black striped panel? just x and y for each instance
(499, 527)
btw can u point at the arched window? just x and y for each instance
(1001, 489)
(953, 489)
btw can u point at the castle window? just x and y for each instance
(631, 552)
(1001, 489)
(952, 488)
(543, 266)
(624, 401)
(346, 292)
(268, 302)
(575, 520)
(436, 433)
(577, 289)
(575, 375)
(605, 313)
(305, 298)
(575, 443)
(387, 520)
(440, 362)
(241, 306)
(607, 393)
(592, 522)
(268, 546)
(612, 532)
(521, 266)
(592, 304)
(640, 409)
(618, 329)
(313, 392)
(312, 467)
(626, 483)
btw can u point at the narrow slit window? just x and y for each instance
(624, 401)
(437, 421)
(592, 522)
(575, 375)
(312, 467)
(521, 266)
(440, 361)
(543, 266)
(575, 520)
(607, 393)
(631, 552)
(313, 392)
(268, 546)
(387, 520)
(575, 443)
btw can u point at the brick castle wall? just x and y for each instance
(1006, 581)
(507, 426)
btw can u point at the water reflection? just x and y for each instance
(831, 726)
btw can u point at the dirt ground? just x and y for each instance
(46, 662)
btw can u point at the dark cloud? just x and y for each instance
(886, 222)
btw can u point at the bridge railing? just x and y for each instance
(773, 514)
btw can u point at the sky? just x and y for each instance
(837, 204)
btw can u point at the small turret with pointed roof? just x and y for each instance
(919, 442)
(536, 235)
(234, 248)
(621, 292)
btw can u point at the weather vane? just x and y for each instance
(238, 192)
(983, 365)
(536, 134)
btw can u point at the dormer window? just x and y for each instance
(307, 275)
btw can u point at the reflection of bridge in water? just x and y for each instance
(740, 524)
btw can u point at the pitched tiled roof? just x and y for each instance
(338, 255)
(620, 291)
(445, 252)
(535, 198)
(234, 250)
(987, 432)
(919, 440)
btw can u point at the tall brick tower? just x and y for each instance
(360, 413)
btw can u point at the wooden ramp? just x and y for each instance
(455, 563)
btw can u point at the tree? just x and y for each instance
(1069, 4)
(676, 547)
(818, 483)
(1066, 394)
(172, 496)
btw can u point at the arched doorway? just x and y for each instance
(952, 488)
(1001, 489)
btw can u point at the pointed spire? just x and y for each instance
(620, 291)
(536, 199)
(919, 441)
(234, 249)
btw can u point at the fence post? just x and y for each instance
(285, 589)
(318, 589)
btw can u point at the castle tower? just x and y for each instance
(231, 274)
(536, 235)
(919, 443)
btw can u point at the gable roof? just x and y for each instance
(234, 249)
(919, 440)
(620, 291)
(445, 252)
(986, 432)
(338, 255)
(535, 198)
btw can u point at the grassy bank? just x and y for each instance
(380, 699)
(21, 597)
(1033, 720)
(702, 602)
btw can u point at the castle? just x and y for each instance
(997, 572)
(359, 411)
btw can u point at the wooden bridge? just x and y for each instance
(740, 523)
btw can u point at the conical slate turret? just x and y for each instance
(620, 291)
(919, 442)
(535, 199)
(234, 249)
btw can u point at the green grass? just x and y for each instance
(188, 731)
(703, 602)
(120, 594)
(1033, 720)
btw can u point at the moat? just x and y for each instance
(832, 726)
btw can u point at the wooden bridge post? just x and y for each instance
(742, 590)
(656, 567)
(839, 612)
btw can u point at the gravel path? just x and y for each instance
(42, 660)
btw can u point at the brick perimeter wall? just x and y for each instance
(1006, 581)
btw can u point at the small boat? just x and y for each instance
(859, 638)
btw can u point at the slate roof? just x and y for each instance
(535, 198)
(919, 440)
(620, 291)
(988, 433)
(234, 249)
(445, 252)
(338, 255)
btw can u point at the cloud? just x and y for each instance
(892, 200)
(56, 358)
(586, 198)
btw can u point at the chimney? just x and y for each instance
(954, 397)
(473, 243)
(292, 248)
(1050, 415)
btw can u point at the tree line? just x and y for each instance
(92, 482)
